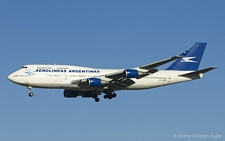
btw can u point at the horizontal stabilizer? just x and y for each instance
(198, 72)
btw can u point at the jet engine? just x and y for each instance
(131, 73)
(70, 93)
(95, 82)
(75, 93)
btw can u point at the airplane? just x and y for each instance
(92, 82)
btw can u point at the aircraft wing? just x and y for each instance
(115, 81)
(119, 80)
(159, 63)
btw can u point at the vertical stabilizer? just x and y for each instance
(191, 59)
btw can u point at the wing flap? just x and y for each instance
(121, 83)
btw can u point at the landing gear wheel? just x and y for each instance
(114, 95)
(110, 97)
(105, 96)
(31, 94)
(97, 99)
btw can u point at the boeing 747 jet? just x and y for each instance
(92, 82)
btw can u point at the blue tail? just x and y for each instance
(191, 59)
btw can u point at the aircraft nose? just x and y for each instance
(10, 77)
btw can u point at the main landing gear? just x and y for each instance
(96, 98)
(109, 94)
(30, 89)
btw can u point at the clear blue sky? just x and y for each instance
(111, 34)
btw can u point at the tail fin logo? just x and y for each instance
(188, 59)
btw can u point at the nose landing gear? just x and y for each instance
(30, 89)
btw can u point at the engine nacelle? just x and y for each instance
(75, 93)
(70, 93)
(95, 82)
(131, 73)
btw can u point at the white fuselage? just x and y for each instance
(61, 76)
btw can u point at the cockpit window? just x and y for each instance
(24, 67)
